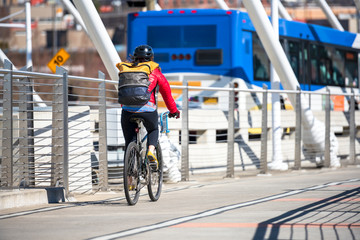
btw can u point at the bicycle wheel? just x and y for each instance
(156, 177)
(131, 174)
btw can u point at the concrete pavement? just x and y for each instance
(307, 204)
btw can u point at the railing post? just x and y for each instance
(65, 126)
(7, 136)
(25, 145)
(264, 135)
(56, 137)
(185, 134)
(60, 134)
(103, 160)
(352, 159)
(327, 129)
(230, 171)
(31, 133)
(297, 157)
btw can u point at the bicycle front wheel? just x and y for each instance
(156, 177)
(132, 173)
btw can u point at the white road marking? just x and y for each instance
(212, 212)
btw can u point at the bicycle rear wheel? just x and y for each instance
(132, 173)
(156, 177)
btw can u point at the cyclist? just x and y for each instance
(148, 111)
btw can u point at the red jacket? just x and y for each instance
(157, 78)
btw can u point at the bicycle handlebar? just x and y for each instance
(164, 127)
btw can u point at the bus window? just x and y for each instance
(193, 36)
(325, 67)
(164, 36)
(313, 59)
(328, 64)
(199, 36)
(338, 66)
(261, 62)
(351, 69)
(293, 53)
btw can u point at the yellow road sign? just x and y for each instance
(58, 60)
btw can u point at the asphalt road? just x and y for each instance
(307, 204)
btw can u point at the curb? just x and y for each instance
(29, 197)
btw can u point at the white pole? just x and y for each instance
(12, 25)
(99, 36)
(28, 35)
(283, 13)
(157, 7)
(54, 34)
(3, 57)
(330, 15)
(75, 13)
(276, 163)
(313, 129)
(222, 4)
(29, 62)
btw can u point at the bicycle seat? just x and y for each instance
(137, 120)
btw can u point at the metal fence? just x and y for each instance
(76, 141)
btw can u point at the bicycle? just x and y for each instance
(137, 170)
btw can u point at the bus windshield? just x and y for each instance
(182, 36)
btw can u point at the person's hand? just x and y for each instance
(175, 114)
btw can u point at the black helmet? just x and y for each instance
(143, 52)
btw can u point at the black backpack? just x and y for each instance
(134, 83)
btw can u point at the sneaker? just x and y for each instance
(154, 164)
(131, 187)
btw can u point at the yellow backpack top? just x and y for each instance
(146, 67)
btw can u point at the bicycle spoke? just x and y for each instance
(156, 177)
(131, 174)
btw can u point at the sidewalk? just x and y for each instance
(31, 197)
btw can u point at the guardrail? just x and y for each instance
(76, 141)
(54, 145)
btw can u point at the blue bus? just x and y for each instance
(224, 43)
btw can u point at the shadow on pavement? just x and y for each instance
(329, 212)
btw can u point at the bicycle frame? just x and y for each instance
(140, 141)
(164, 128)
(143, 174)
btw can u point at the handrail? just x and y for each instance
(19, 74)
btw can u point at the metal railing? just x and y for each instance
(76, 141)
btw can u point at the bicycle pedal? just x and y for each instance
(142, 180)
(153, 166)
